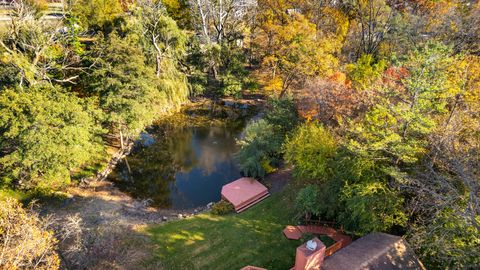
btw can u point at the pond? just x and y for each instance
(182, 164)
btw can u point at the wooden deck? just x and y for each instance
(244, 193)
(341, 240)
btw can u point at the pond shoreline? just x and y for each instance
(255, 101)
(113, 221)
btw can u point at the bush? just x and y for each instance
(282, 114)
(26, 242)
(371, 206)
(45, 132)
(259, 150)
(222, 208)
(310, 149)
(307, 201)
(365, 71)
(231, 86)
(198, 82)
(359, 196)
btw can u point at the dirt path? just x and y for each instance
(279, 179)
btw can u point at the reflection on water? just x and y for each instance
(181, 167)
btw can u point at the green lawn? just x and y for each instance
(10, 193)
(253, 237)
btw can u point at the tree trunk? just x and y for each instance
(158, 56)
(121, 140)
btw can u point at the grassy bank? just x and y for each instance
(253, 237)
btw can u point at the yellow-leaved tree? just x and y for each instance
(292, 49)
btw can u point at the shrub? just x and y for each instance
(310, 149)
(282, 114)
(307, 201)
(46, 132)
(371, 206)
(222, 208)
(198, 82)
(365, 71)
(259, 149)
(26, 242)
(231, 86)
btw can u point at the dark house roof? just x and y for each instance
(374, 251)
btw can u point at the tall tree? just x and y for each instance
(372, 21)
(37, 50)
(294, 52)
(127, 87)
(45, 133)
(161, 32)
(96, 14)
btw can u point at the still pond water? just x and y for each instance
(182, 166)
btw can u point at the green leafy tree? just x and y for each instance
(261, 148)
(396, 128)
(45, 133)
(392, 137)
(126, 86)
(96, 14)
(371, 206)
(310, 149)
(282, 113)
(164, 39)
(365, 71)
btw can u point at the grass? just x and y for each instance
(25, 197)
(10, 193)
(253, 237)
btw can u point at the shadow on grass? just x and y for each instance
(253, 237)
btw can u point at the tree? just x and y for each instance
(371, 206)
(220, 20)
(372, 21)
(444, 189)
(396, 128)
(332, 101)
(179, 10)
(282, 114)
(446, 204)
(220, 26)
(310, 149)
(127, 87)
(96, 14)
(161, 32)
(27, 243)
(45, 133)
(307, 201)
(365, 72)
(293, 52)
(34, 50)
(260, 147)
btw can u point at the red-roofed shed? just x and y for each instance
(244, 192)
